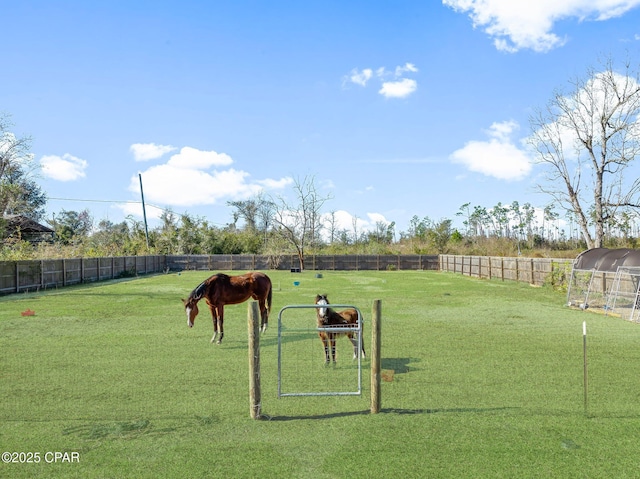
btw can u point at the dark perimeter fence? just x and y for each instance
(20, 276)
(33, 275)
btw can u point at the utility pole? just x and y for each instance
(144, 212)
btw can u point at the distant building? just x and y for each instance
(23, 228)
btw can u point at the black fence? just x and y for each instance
(229, 262)
(19, 276)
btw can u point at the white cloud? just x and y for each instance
(408, 67)
(498, 157)
(375, 218)
(343, 220)
(502, 131)
(327, 184)
(270, 184)
(393, 85)
(135, 209)
(360, 77)
(64, 168)
(189, 158)
(516, 25)
(171, 185)
(398, 89)
(187, 179)
(149, 151)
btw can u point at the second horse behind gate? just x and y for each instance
(329, 318)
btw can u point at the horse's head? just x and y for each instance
(321, 299)
(191, 308)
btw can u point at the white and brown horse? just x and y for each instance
(328, 318)
(221, 289)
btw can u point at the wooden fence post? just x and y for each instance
(533, 281)
(376, 323)
(254, 360)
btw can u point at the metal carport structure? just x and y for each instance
(606, 279)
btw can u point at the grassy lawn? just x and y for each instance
(482, 379)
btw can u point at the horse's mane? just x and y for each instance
(197, 293)
(201, 289)
(331, 316)
(330, 311)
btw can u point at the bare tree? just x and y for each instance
(300, 224)
(331, 222)
(586, 140)
(354, 223)
(247, 210)
(256, 212)
(19, 193)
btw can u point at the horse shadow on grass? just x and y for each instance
(399, 411)
(399, 365)
(266, 342)
(100, 430)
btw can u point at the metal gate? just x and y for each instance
(299, 358)
(624, 296)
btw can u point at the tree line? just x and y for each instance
(258, 226)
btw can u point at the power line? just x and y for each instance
(105, 201)
(122, 201)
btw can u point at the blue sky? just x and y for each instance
(396, 108)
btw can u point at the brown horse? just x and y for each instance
(221, 289)
(328, 318)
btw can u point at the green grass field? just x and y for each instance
(482, 379)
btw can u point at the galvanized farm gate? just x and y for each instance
(301, 365)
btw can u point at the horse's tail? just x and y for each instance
(269, 295)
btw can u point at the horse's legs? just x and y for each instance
(264, 314)
(215, 332)
(220, 323)
(325, 343)
(354, 343)
(217, 315)
(214, 316)
(353, 337)
(332, 340)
